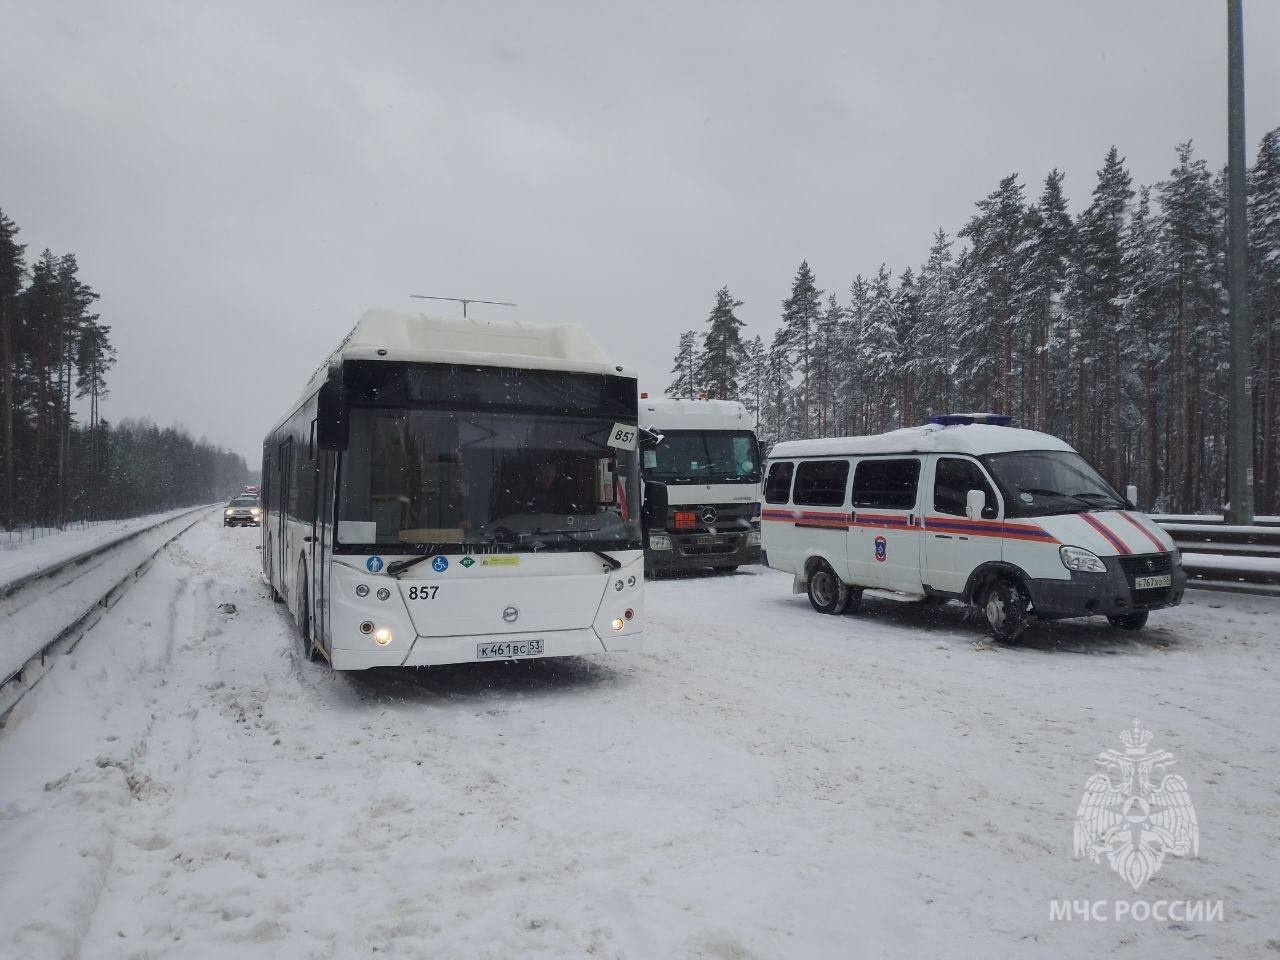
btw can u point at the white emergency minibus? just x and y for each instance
(966, 508)
(457, 490)
(706, 454)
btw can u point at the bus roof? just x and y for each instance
(666, 413)
(391, 335)
(973, 439)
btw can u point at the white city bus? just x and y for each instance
(457, 490)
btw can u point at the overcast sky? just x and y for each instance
(241, 180)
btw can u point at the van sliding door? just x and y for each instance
(884, 541)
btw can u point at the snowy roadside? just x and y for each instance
(760, 782)
(20, 558)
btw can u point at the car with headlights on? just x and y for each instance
(243, 511)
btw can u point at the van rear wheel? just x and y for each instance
(827, 592)
(1005, 607)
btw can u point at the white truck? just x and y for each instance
(706, 454)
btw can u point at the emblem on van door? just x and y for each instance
(882, 549)
(709, 515)
(511, 614)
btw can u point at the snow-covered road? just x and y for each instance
(761, 781)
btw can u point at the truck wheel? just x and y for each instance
(827, 592)
(1006, 610)
(1129, 621)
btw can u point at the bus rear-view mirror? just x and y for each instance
(655, 502)
(331, 416)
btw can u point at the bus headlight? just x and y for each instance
(1081, 560)
(362, 589)
(618, 623)
(382, 636)
(659, 541)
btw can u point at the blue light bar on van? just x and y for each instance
(958, 419)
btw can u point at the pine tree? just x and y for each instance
(801, 312)
(685, 367)
(1046, 262)
(1264, 262)
(751, 384)
(933, 345)
(721, 356)
(996, 234)
(1190, 236)
(828, 334)
(12, 269)
(1145, 337)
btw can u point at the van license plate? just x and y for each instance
(1150, 583)
(508, 649)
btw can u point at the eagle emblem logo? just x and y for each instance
(1135, 813)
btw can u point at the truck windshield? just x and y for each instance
(454, 480)
(704, 456)
(1041, 482)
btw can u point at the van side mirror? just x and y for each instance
(332, 427)
(1131, 494)
(655, 502)
(974, 502)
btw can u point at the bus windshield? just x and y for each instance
(459, 480)
(1037, 483)
(704, 456)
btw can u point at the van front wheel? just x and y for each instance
(1005, 608)
(827, 592)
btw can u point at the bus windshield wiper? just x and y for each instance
(571, 535)
(400, 566)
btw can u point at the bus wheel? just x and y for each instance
(303, 618)
(1129, 621)
(827, 592)
(1006, 610)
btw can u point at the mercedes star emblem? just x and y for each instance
(708, 514)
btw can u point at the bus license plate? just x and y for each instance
(1150, 583)
(508, 649)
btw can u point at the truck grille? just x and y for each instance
(700, 545)
(1147, 565)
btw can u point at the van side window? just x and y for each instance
(777, 487)
(886, 484)
(821, 483)
(953, 479)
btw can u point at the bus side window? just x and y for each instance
(777, 488)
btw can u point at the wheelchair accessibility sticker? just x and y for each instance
(882, 549)
(373, 564)
(440, 564)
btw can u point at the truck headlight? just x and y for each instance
(256, 510)
(227, 512)
(753, 538)
(659, 541)
(1081, 560)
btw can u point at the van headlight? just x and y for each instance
(659, 541)
(1081, 560)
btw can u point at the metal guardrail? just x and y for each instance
(1220, 556)
(42, 586)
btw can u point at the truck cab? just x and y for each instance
(706, 454)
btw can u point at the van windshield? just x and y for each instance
(704, 456)
(1037, 483)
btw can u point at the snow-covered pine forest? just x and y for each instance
(60, 460)
(1108, 328)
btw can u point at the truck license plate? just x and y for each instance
(1150, 583)
(508, 649)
